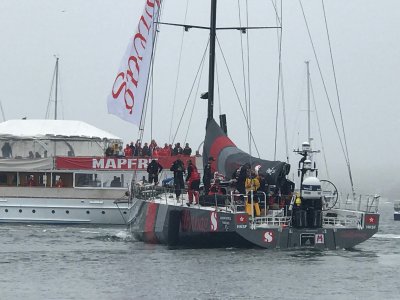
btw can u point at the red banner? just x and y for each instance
(115, 163)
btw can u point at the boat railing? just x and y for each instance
(151, 192)
(271, 221)
(343, 221)
(367, 203)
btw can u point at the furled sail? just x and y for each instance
(228, 158)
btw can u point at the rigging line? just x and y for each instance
(298, 109)
(282, 87)
(2, 112)
(278, 94)
(319, 130)
(178, 73)
(279, 88)
(279, 22)
(151, 105)
(324, 84)
(337, 94)
(191, 90)
(195, 100)
(149, 78)
(237, 94)
(60, 97)
(243, 62)
(218, 90)
(248, 76)
(51, 92)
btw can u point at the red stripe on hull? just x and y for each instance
(151, 215)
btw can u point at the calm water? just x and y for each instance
(56, 262)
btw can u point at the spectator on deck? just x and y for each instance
(31, 181)
(138, 149)
(171, 150)
(132, 148)
(146, 150)
(178, 149)
(59, 183)
(6, 150)
(153, 145)
(187, 150)
(128, 151)
(109, 151)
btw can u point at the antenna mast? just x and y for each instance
(308, 102)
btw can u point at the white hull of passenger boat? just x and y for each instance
(62, 206)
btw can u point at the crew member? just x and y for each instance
(193, 180)
(252, 184)
(154, 168)
(179, 169)
(207, 175)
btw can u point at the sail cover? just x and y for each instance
(228, 158)
(129, 89)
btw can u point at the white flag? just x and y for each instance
(129, 88)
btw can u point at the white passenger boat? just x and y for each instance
(54, 171)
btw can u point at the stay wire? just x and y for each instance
(248, 78)
(195, 100)
(60, 93)
(237, 94)
(242, 57)
(150, 77)
(338, 98)
(191, 90)
(280, 87)
(276, 11)
(50, 94)
(323, 82)
(218, 90)
(319, 130)
(178, 73)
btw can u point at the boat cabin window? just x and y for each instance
(31, 179)
(116, 180)
(62, 180)
(8, 179)
(102, 180)
(87, 180)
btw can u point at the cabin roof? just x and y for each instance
(49, 129)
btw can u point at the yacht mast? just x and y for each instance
(213, 25)
(56, 90)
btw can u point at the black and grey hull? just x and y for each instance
(194, 227)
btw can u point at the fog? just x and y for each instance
(90, 38)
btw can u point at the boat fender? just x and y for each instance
(174, 222)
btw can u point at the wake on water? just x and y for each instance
(386, 236)
(120, 236)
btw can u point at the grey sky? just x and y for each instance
(90, 38)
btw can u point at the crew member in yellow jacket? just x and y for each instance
(252, 184)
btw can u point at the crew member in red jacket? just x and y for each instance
(193, 181)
